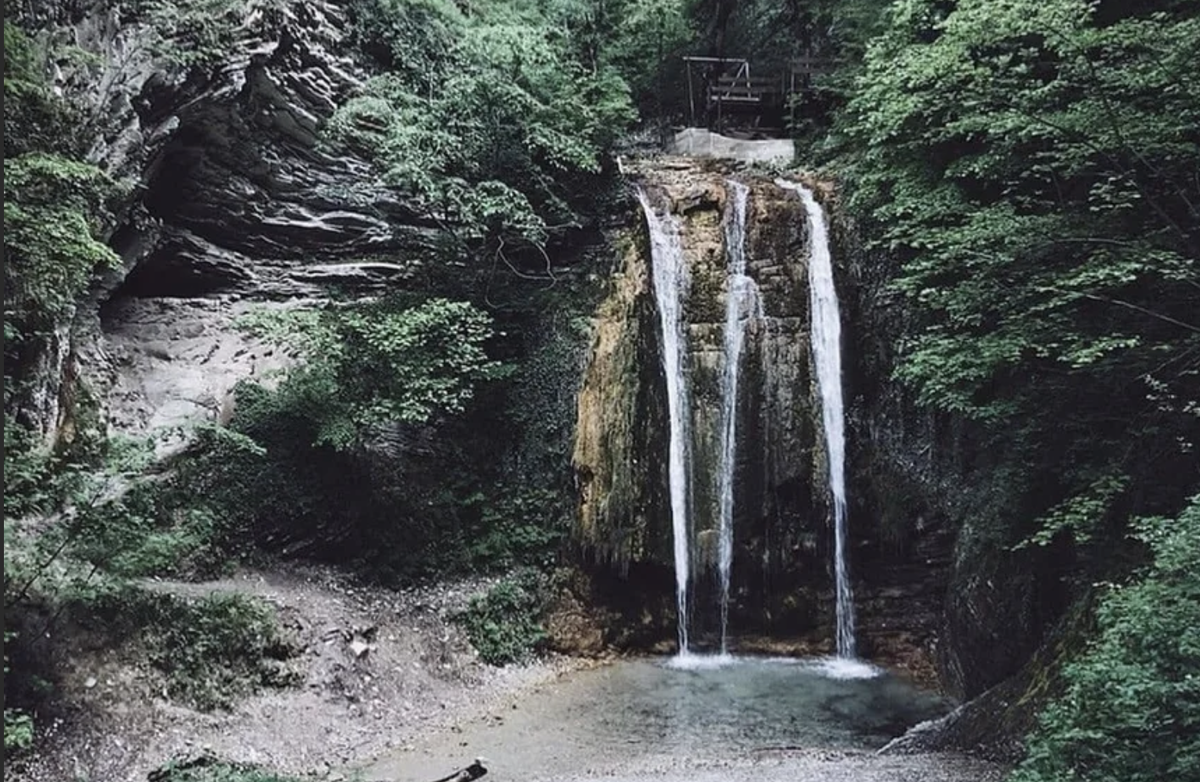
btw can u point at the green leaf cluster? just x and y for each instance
(53, 218)
(485, 115)
(1030, 165)
(367, 366)
(197, 34)
(1131, 707)
(504, 624)
(34, 119)
(56, 208)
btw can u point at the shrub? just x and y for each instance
(18, 724)
(208, 769)
(504, 624)
(211, 650)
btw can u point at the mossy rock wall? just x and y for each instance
(620, 452)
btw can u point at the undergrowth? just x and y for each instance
(209, 769)
(211, 650)
(505, 623)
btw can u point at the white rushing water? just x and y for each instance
(826, 344)
(669, 274)
(742, 305)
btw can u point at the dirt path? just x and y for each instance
(379, 668)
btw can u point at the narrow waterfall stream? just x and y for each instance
(670, 284)
(742, 305)
(826, 344)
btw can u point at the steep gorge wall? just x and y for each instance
(622, 415)
(934, 489)
(235, 204)
(905, 476)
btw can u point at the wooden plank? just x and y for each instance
(759, 82)
(746, 93)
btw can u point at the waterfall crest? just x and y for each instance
(669, 274)
(742, 305)
(826, 346)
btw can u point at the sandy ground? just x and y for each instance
(379, 669)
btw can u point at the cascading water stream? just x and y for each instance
(826, 344)
(742, 304)
(670, 284)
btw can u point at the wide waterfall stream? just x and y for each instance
(827, 356)
(742, 306)
(670, 284)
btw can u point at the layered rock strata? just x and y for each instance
(235, 203)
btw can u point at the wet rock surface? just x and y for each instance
(622, 419)
(782, 575)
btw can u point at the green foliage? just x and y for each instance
(367, 366)
(486, 117)
(53, 211)
(1131, 709)
(514, 530)
(211, 650)
(218, 648)
(84, 531)
(34, 119)
(504, 624)
(55, 207)
(18, 724)
(208, 769)
(18, 730)
(27, 472)
(197, 33)
(1080, 513)
(1027, 162)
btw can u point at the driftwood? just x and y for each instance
(468, 774)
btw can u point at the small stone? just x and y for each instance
(90, 683)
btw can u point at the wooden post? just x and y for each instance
(691, 94)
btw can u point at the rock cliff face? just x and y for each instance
(782, 568)
(623, 424)
(236, 204)
(930, 487)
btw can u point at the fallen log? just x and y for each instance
(467, 774)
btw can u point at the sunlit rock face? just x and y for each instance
(620, 450)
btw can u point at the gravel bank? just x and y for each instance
(379, 668)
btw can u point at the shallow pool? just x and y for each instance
(697, 707)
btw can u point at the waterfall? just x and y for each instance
(670, 284)
(742, 304)
(826, 344)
